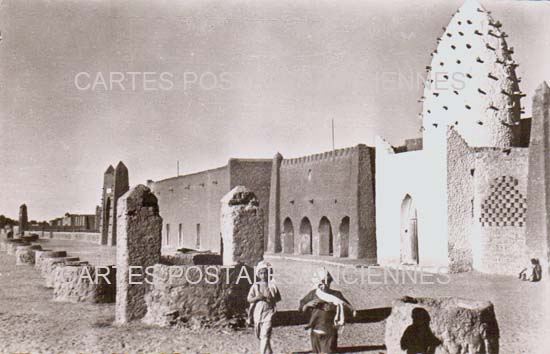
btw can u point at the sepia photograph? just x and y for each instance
(278, 176)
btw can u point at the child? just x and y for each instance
(263, 297)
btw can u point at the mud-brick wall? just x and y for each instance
(460, 191)
(498, 239)
(334, 186)
(256, 176)
(191, 200)
(195, 199)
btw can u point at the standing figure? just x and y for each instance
(328, 313)
(263, 297)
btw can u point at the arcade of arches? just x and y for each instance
(327, 239)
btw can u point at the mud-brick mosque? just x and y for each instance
(461, 200)
(471, 193)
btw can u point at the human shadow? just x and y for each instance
(296, 318)
(418, 338)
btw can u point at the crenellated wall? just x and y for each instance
(326, 204)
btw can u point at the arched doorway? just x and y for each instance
(288, 236)
(343, 236)
(306, 241)
(325, 237)
(409, 232)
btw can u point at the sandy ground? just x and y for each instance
(31, 322)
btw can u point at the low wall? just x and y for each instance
(181, 293)
(82, 282)
(92, 237)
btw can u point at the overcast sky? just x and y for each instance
(241, 79)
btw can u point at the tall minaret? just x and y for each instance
(471, 83)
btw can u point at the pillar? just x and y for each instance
(138, 246)
(274, 231)
(23, 219)
(242, 225)
(538, 185)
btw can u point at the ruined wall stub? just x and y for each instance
(538, 186)
(139, 244)
(242, 228)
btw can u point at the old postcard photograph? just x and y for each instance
(279, 176)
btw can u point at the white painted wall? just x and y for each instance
(422, 175)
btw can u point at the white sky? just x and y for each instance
(281, 70)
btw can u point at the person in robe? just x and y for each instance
(533, 272)
(263, 297)
(328, 313)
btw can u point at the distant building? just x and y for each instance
(81, 222)
(57, 222)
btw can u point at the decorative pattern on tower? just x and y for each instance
(472, 84)
(506, 206)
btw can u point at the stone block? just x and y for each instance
(242, 225)
(3, 245)
(78, 282)
(183, 293)
(50, 264)
(40, 255)
(12, 245)
(138, 245)
(447, 325)
(25, 255)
